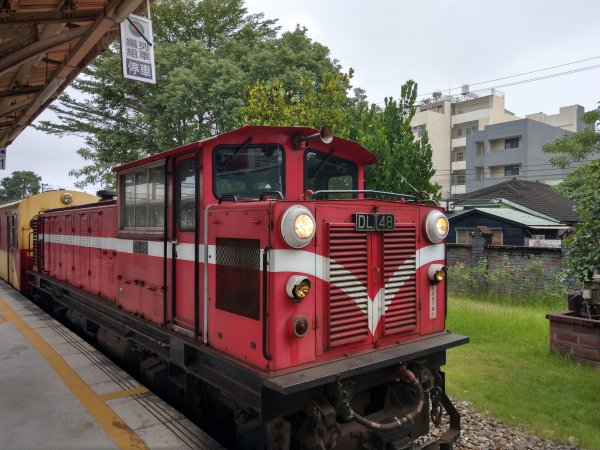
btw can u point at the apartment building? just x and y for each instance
(449, 121)
(512, 150)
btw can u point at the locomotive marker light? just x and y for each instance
(298, 287)
(66, 198)
(437, 273)
(298, 226)
(299, 325)
(436, 226)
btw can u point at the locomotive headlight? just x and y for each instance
(304, 226)
(437, 272)
(436, 226)
(298, 226)
(297, 287)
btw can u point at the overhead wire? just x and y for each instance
(521, 74)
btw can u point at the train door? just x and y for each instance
(95, 254)
(4, 246)
(12, 248)
(70, 250)
(184, 271)
(84, 251)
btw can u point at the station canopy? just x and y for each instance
(44, 45)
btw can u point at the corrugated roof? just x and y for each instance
(529, 220)
(537, 196)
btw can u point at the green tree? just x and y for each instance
(577, 146)
(583, 246)
(314, 103)
(206, 53)
(20, 184)
(405, 163)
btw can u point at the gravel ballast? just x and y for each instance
(481, 432)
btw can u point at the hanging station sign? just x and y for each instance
(137, 54)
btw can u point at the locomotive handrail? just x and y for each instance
(404, 197)
(266, 193)
(265, 349)
(228, 197)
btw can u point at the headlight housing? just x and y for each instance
(436, 226)
(298, 226)
(437, 273)
(298, 287)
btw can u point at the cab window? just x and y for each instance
(142, 200)
(247, 171)
(325, 171)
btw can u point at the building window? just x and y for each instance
(464, 236)
(419, 130)
(142, 200)
(458, 154)
(510, 171)
(478, 174)
(464, 129)
(511, 143)
(459, 177)
(479, 146)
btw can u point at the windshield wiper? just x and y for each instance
(322, 163)
(243, 147)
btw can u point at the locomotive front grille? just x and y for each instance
(400, 286)
(349, 263)
(348, 281)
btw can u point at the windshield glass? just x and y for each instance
(247, 171)
(325, 171)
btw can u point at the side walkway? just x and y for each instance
(57, 391)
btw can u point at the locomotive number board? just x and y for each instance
(374, 222)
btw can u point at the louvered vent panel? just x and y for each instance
(348, 297)
(238, 276)
(400, 286)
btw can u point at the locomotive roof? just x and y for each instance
(263, 135)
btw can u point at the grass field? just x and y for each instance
(507, 370)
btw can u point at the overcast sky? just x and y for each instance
(439, 44)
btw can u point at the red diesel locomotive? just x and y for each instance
(253, 279)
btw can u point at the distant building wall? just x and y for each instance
(434, 117)
(569, 118)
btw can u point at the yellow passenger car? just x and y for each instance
(16, 234)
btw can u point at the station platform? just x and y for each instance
(57, 391)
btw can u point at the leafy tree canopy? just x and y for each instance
(20, 184)
(404, 161)
(582, 247)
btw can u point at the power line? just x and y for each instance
(518, 75)
(559, 74)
